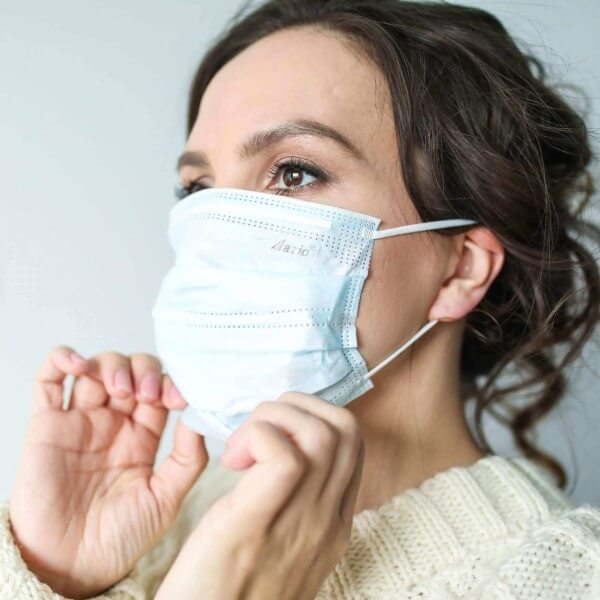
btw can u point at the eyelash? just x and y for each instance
(181, 191)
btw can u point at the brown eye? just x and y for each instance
(295, 174)
(292, 176)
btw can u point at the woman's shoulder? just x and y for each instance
(497, 528)
(544, 541)
(557, 558)
(550, 546)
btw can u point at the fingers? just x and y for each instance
(121, 382)
(147, 377)
(107, 381)
(348, 500)
(333, 447)
(131, 385)
(154, 416)
(350, 445)
(178, 472)
(149, 410)
(48, 386)
(172, 397)
(313, 436)
(280, 466)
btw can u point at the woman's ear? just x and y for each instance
(481, 259)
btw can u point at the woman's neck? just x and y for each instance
(413, 420)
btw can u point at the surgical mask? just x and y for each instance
(262, 299)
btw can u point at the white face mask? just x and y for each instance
(262, 299)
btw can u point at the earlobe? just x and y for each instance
(481, 260)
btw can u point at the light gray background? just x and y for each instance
(92, 105)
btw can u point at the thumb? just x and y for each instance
(177, 473)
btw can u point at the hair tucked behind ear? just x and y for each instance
(482, 135)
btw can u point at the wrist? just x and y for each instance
(199, 571)
(60, 583)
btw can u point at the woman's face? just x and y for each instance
(330, 108)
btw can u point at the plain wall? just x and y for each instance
(92, 111)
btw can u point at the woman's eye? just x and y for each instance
(295, 174)
(289, 176)
(293, 177)
(181, 191)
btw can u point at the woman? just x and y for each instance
(408, 112)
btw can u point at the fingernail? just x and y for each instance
(123, 381)
(176, 394)
(150, 386)
(77, 359)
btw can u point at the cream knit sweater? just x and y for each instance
(494, 529)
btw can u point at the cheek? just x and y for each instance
(395, 298)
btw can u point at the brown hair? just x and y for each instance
(482, 135)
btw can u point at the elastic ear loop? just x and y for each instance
(416, 227)
(413, 228)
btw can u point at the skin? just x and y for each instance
(308, 466)
(86, 503)
(412, 420)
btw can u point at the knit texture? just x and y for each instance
(496, 529)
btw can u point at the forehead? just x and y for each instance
(293, 73)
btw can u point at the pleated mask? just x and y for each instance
(262, 299)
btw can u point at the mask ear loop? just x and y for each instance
(402, 348)
(412, 228)
(426, 226)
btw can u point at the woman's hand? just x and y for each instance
(86, 503)
(285, 525)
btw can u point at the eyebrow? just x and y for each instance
(262, 139)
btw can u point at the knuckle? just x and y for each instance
(111, 366)
(259, 428)
(322, 436)
(291, 464)
(50, 359)
(287, 396)
(112, 358)
(263, 407)
(60, 350)
(55, 353)
(316, 538)
(57, 359)
(143, 360)
(337, 533)
(348, 423)
(341, 528)
(351, 430)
